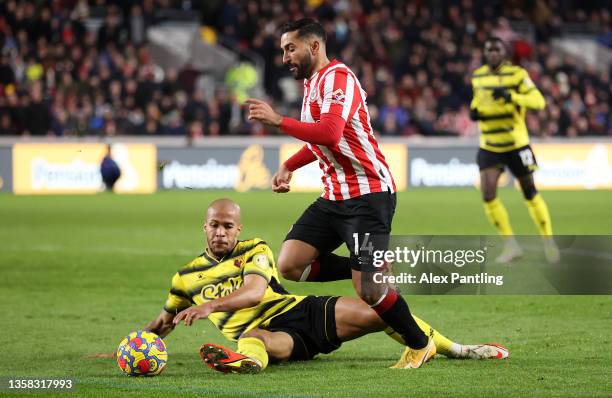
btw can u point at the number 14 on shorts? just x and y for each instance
(366, 244)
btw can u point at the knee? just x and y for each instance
(277, 350)
(529, 191)
(289, 268)
(370, 297)
(368, 290)
(488, 198)
(488, 195)
(258, 334)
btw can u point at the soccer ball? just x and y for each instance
(142, 353)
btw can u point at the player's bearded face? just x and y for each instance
(301, 67)
(296, 55)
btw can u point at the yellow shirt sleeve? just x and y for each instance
(474, 103)
(528, 94)
(177, 299)
(259, 263)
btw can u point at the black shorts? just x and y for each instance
(312, 326)
(326, 224)
(521, 161)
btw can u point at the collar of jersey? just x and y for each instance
(212, 259)
(322, 70)
(499, 68)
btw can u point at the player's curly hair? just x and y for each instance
(305, 27)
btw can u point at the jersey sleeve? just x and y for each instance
(475, 97)
(527, 94)
(301, 158)
(338, 93)
(260, 262)
(525, 84)
(178, 299)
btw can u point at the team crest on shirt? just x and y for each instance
(312, 95)
(338, 97)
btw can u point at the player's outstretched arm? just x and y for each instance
(262, 112)
(162, 325)
(300, 159)
(249, 295)
(327, 131)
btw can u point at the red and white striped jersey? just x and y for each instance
(355, 166)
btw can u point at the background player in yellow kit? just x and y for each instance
(235, 284)
(502, 94)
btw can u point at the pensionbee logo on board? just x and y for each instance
(74, 168)
(199, 176)
(451, 173)
(250, 172)
(574, 166)
(76, 175)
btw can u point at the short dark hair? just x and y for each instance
(493, 39)
(305, 27)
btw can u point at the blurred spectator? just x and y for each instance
(109, 169)
(61, 75)
(393, 118)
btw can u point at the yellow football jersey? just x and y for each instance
(502, 124)
(206, 279)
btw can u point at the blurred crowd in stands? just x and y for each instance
(63, 76)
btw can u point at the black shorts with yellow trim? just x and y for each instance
(520, 161)
(312, 326)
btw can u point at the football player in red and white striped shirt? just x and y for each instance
(358, 201)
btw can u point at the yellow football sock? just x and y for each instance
(443, 344)
(498, 216)
(254, 348)
(539, 214)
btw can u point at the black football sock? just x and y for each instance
(393, 309)
(329, 267)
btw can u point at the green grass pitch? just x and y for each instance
(80, 272)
